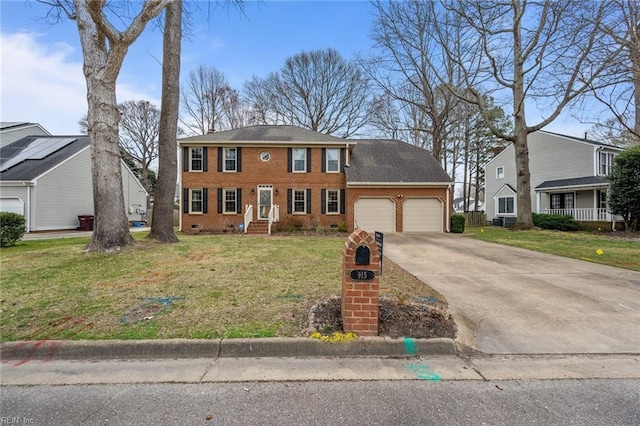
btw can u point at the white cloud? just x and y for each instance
(43, 82)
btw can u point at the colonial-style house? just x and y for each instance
(568, 176)
(48, 180)
(254, 178)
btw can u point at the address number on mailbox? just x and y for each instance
(362, 275)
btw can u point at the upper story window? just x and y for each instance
(196, 160)
(299, 159)
(605, 161)
(333, 160)
(500, 172)
(230, 160)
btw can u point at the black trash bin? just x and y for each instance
(497, 221)
(86, 222)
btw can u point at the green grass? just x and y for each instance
(599, 247)
(205, 286)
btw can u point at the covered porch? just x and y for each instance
(584, 199)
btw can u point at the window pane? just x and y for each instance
(299, 159)
(332, 201)
(230, 201)
(196, 158)
(299, 201)
(333, 162)
(230, 159)
(196, 201)
(505, 205)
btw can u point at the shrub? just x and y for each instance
(342, 227)
(11, 228)
(558, 222)
(457, 223)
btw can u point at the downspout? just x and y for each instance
(28, 215)
(448, 225)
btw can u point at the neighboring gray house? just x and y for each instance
(13, 131)
(48, 180)
(568, 176)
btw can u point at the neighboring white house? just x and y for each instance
(568, 176)
(13, 131)
(48, 180)
(458, 205)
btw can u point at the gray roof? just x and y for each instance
(4, 125)
(29, 157)
(265, 133)
(383, 160)
(592, 142)
(581, 181)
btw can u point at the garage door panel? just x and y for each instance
(422, 215)
(375, 214)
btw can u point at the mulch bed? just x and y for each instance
(395, 319)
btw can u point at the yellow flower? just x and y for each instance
(481, 230)
(599, 252)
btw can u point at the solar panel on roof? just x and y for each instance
(36, 150)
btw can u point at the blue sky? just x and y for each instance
(41, 65)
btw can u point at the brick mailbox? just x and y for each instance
(360, 284)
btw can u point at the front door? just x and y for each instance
(264, 201)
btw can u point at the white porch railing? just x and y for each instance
(248, 216)
(274, 215)
(581, 214)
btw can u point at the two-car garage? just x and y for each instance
(417, 214)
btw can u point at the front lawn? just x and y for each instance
(205, 286)
(621, 250)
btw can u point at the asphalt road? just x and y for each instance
(510, 300)
(567, 402)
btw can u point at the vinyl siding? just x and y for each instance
(64, 193)
(551, 157)
(11, 135)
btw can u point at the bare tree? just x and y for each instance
(104, 48)
(618, 90)
(317, 90)
(404, 70)
(526, 54)
(139, 135)
(205, 98)
(162, 219)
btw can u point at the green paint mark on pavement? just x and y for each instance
(410, 346)
(423, 372)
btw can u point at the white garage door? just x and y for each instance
(422, 215)
(375, 214)
(12, 205)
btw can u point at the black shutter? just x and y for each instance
(308, 160)
(220, 159)
(289, 161)
(343, 159)
(323, 197)
(342, 206)
(185, 200)
(219, 200)
(238, 159)
(289, 202)
(308, 201)
(185, 159)
(239, 200)
(205, 159)
(205, 200)
(324, 160)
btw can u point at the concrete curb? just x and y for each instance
(48, 350)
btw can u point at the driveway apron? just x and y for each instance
(508, 300)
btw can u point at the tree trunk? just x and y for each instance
(111, 227)
(524, 218)
(162, 221)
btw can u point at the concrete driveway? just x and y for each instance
(514, 301)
